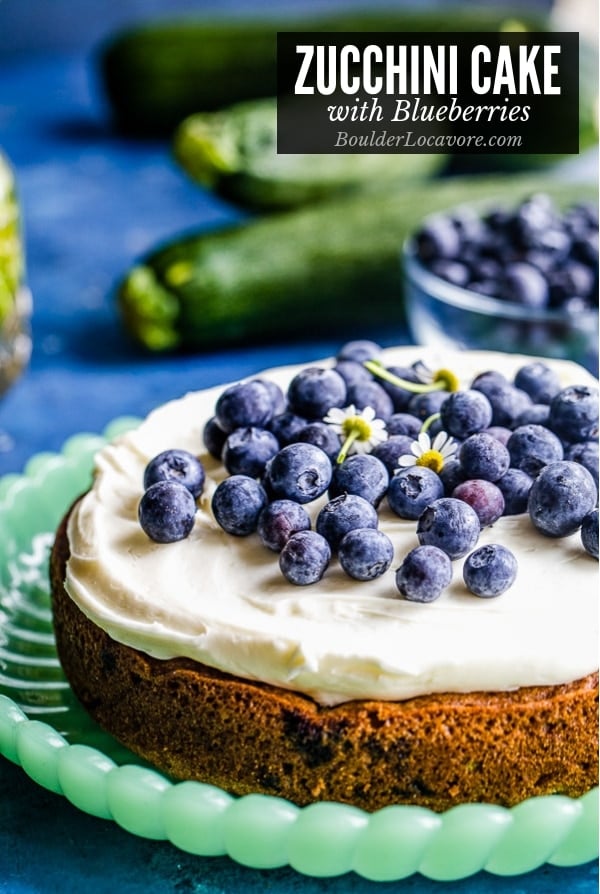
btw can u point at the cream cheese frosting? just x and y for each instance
(221, 600)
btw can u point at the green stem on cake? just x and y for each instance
(429, 421)
(442, 380)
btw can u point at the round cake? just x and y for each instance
(201, 656)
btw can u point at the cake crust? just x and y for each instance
(194, 722)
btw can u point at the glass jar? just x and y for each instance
(15, 298)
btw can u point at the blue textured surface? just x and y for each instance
(92, 203)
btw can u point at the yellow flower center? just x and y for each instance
(447, 379)
(357, 426)
(431, 459)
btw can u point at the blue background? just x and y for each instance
(92, 203)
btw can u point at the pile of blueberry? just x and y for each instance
(496, 448)
(533, 255)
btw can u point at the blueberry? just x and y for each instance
(465, 412)
(586, 453)
(365, 553)
(507, 401)
(468, 224)
(544, 261)
(352, 372)
(451, 475)
(450, 524)
(484, 497)
(248, 450)
(276, 393)
(554, 242)
(214, 437)
(508, 404)
(343, 514)
(490, 570)
(285, 426)
(176, 465)
(237, 503)
(403, 424)
(314, 391)
(437, 238)
(390, 451)
(515, 486)
(531, 447)
(422, 406)
(500, 432)
(539, 381)
(497, 218)
(371, 394)
(589, 533)
(452, 271)
(534, 414)
(361, 474)
(359, 351)
(489, 381)
(483, 268)
(279, 520)
(321, 435)
(412, 489)
(304, 558)
(299, 472)
(524, 284)
(424, 574)
(585, 248)
(246, 403)
(560, 498)
(574, 413)
(483, 456)
(533, 217)
(572, 279)
(488, 287)
(166, 511)
(574, 305)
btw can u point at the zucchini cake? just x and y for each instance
(281, 649)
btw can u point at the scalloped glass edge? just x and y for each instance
(262, 832)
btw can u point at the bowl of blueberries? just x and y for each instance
(521, 279)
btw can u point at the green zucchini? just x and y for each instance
(329, 268)
(157, 74)
(234, 152)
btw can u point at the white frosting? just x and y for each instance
(222, 600)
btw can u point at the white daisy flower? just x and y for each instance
(360, 430)
(432, 454)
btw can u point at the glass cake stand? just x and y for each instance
(45, 731)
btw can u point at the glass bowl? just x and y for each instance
(442, 314)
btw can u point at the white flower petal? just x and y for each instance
(424, 441)
(439, 441)
(378, 429)
(449, 449)
(335, 416)
(360, 447)
(368, 414)
(407, 460)
(378, 437)
(424, 374)
(416, 450)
